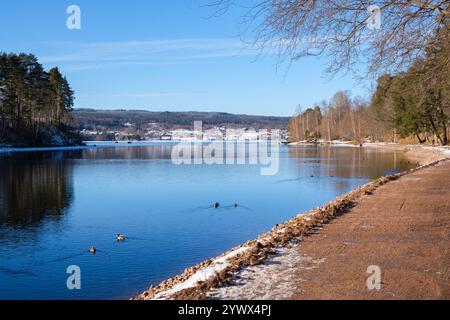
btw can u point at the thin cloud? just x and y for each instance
(141, 95)
(87, 56)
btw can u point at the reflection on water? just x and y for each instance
(55, 205)
(33, 190)
(152, 151)
(347, 162)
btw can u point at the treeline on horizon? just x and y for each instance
(35, 104)
(92, 119)
(413, 105)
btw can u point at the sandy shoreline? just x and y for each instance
(250, 270)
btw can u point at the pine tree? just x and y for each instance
(31, 99)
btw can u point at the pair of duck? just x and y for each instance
(119, 238)
(217, 205)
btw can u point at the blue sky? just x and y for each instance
(163, 55)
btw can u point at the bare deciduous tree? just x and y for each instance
(338, 29)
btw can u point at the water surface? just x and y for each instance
(54, 205)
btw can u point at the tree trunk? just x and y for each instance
(421, 141)
(445, 136)
(435, 130)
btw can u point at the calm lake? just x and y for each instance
(54, 205)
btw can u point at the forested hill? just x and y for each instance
(35, 104)
(91, 119)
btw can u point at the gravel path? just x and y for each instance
(403, 228)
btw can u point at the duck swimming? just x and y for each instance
(120, 237)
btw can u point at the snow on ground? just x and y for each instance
(201, 275)
(445, 150)
(271, 280)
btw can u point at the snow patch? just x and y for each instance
(445, 150)
(274, 279)
(202, 275)
(339, 143)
